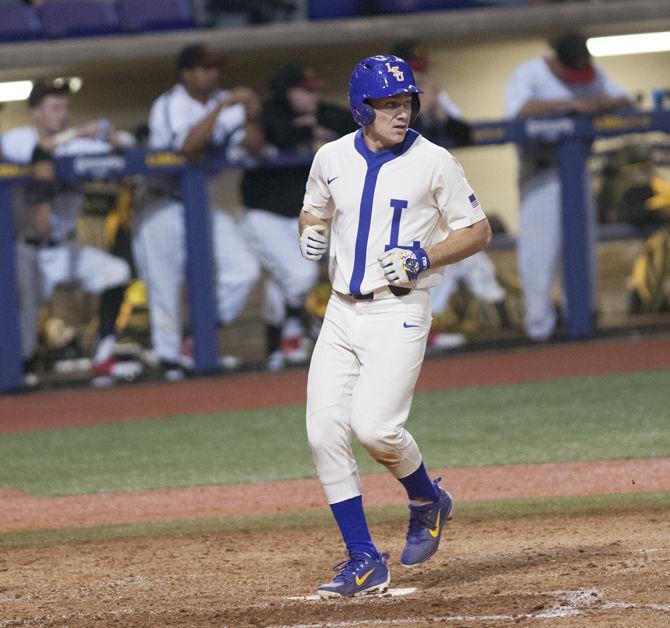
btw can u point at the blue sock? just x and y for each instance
(419, 486)
(350, 518)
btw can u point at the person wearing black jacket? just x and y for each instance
(295, 121)
(439, 117)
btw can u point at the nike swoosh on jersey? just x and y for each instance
(436, 530)
(331, 180)
(406, 325)
(360, 581)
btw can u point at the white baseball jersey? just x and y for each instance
(534, 80)
(173, 115)
(409, 196)
(18, 145)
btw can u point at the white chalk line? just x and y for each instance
(389, 593)
(570, 604)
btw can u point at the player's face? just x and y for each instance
(201, 81)
(392, 117)
(52, 115)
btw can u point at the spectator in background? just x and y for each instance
(192, 116)
(440, 118)
(294, 120)
(563, 82)
(46, 215)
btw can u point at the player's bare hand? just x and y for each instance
(95, 128)
(402, 266)
(314, 242)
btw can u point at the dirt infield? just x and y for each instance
(588, 570)
(592, 569)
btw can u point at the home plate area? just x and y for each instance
(567, 604)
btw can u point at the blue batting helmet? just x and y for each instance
(378, 77)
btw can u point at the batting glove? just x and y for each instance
(402, 266)
(313, 242)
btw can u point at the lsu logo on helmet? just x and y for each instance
(396, 71)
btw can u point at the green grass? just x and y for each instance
(322, 517)
(590, 418)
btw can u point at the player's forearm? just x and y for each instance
(460, 244)
(307, 220)
(545, 107)
(200, 134)
(608, 103)
(254, 138)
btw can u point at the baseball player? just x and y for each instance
(565, 82)
(394, 209)
(294, 120)
(46, 214)
(189, 117)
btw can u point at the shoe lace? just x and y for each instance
(420, 516)
(347, 567)
(419, 519)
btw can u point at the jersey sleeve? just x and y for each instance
(318, 201)
(160, 129)
(170, 121)
(448, 105)
(181, 122)
(229, 125)
(455, 198)
(520, 89)
(18, 144)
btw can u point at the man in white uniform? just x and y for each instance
(566, 82)
(46, 213)
(191, 116)
(395, 209)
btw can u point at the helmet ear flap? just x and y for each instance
(364, 114)
(368, 114)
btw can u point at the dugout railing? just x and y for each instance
(572, 134)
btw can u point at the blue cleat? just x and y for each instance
(360, 574)
(425, 528)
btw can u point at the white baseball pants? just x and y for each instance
(159, 249)
(41, 269)
(273, 239)
(539, 249)
(361, 379)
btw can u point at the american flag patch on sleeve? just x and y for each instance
(474, 203)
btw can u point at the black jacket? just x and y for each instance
(282, 190)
